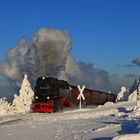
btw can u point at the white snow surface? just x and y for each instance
(128, 137)
(89, 123)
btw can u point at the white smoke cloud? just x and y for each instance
(49, 53)
(84, 73)
(45, 54)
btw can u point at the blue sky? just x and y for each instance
(103, 32)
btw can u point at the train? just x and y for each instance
(52, 95)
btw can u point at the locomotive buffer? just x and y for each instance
(81, 95)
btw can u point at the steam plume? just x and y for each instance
(48, 53)
(45, 54)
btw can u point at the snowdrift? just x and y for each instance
(128, 137)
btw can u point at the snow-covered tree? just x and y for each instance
(138, 98)
(22, 103)
(135, 96)
(121, 95)
(5, 108)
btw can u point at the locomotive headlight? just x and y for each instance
(48, 97)
(43, 78)
(70, 88)
(36, 97)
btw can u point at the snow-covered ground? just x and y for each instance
(120, 121)
(100, 123)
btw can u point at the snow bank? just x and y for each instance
(91, 113)
(122, 107)
(107, 104)
(128, 137)
(136, 111)
(120, 114)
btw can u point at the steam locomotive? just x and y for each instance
(52, 95)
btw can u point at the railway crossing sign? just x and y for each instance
(81, 95)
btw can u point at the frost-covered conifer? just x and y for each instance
(5, 108)
(136, 94)
(133, 96)
(121, 94)
(22, 103)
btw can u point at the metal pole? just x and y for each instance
(80, 103)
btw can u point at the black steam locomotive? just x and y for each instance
(52, 95)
